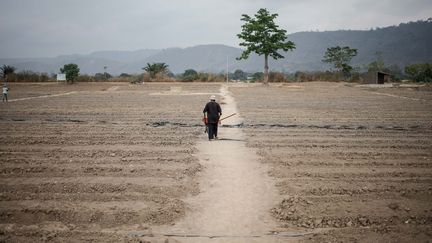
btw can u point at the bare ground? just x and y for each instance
(351, 162)
(97, 163)
(117, 162)
(236, 192)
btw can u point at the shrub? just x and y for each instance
(421, 72)
(125, 75)
(85, 78)
(276, 77)
(215, 77)
(28, 76)
(239, 75)
(301, 76)
(140, 78)
(190, 75)
(258, 76)
(162, 77)
(102, 76)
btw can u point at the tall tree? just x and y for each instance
(340, 57)
(71, 70)
(262, 36)
(239, 75)
(6, 70)
(156, 68)
(378, 64)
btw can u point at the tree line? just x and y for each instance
(261, 35)
(421, 72)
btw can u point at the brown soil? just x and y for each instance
(236, 192)
(96, 163)
(114, 162)
(353, 164)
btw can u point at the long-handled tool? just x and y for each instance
(233, 114)
(206, 127)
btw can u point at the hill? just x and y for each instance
(399, 45)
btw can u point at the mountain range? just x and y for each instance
(399, 45)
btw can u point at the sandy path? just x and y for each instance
(236, 193)
(42, 96)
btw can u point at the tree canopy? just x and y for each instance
(261, 35)
(378, 64)
(190, 72)
(71, 70)
(340, 57)
(102, 76)
(190, 75)
(239, 75)
(6, 70)
(156, 68)
(420, 72)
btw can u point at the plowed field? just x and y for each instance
(100, 161)
(96, 160)
(353, 163)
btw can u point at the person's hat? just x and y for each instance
(212, 97)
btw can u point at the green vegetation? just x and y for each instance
(260, 31)
(190, 75)
(340, 57)
(262, 36)
(71, 70)
(124, 75)
(29, 76)
(258, 76)
(156, 70)
(239, 75)
(102, 76)
(378, 64)
(415, 72)
(420, 72)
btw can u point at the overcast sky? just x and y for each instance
(45, 28)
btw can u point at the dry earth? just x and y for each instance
(353, 164)
(96, 162)
(114, 162)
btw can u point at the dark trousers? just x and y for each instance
(5, 97)
(212, 130)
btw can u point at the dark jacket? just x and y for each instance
(214, 111)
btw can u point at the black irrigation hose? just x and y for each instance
(258, 125)
(262, 125)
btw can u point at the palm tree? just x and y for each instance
(156, 68)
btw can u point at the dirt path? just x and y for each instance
(42, 96)
(236, 193)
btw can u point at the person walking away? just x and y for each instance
(212, 112)
(5, 92)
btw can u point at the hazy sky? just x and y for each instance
(44, 28)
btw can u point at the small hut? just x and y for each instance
(382, 77)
